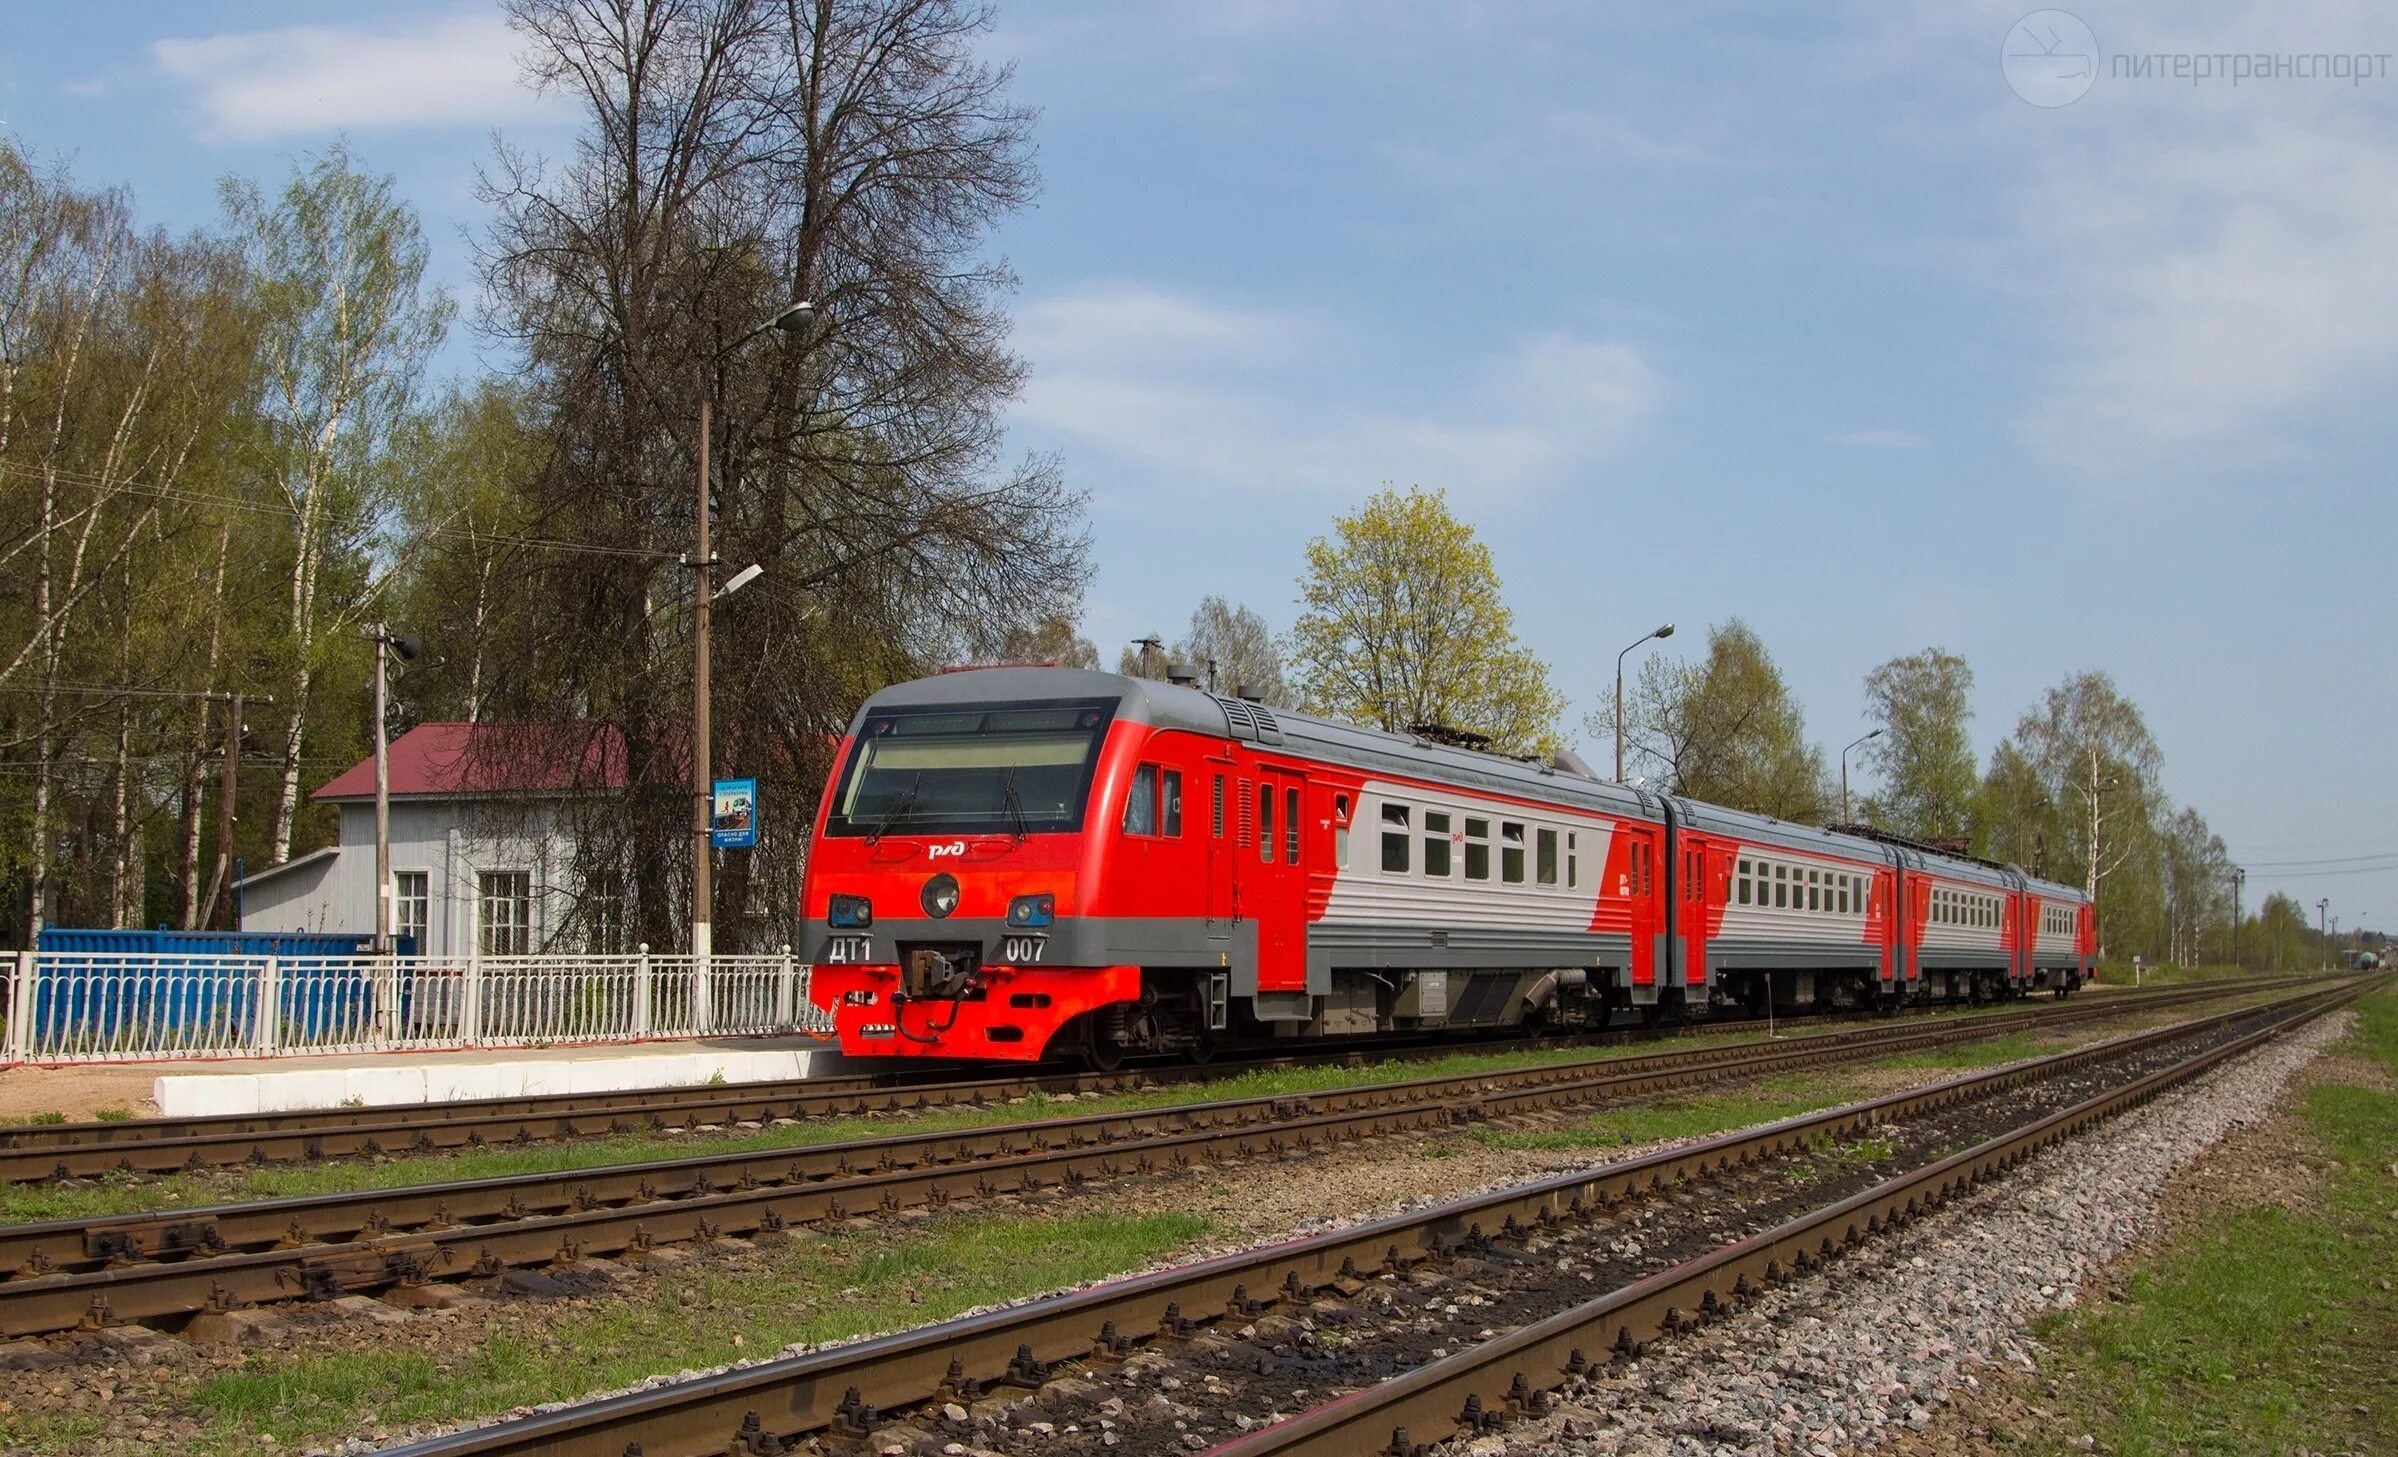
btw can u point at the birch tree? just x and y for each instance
(339, 265)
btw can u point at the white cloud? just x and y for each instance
(455, 70)
(2201, 266)
(1231, 399)
(1881, 439)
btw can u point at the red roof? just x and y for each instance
(492, 758)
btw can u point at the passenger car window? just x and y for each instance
(1290, 825)
(1394, 838)
(1477, 849)
(1436, 844)
(1511, 853)
(1544, 856)
(1169, 788)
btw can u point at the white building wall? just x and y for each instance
(453, 842)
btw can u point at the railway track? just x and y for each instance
(31, 1153)
(170, 1264)
(1061, 1350)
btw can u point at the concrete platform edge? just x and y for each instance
(195, 1095)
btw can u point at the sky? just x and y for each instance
(1879, 326)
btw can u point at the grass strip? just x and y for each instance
(2268, 1329)
(804, 1289)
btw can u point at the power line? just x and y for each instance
(286, 512)
(2331, 860)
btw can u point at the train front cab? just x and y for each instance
(950, 875)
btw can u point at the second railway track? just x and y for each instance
(1069, 1352)
(35, 1152)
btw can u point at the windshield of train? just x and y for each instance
(1014, 770)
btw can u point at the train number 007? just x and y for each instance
(1023, 950)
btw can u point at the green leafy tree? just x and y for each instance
(2014, 817)
(1725, 730)
(339, 264)
(1924, 756)
(2099, 765)
(1401, 624)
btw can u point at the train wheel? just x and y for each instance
(1099, 1051)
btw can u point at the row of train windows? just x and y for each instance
(1964, 908)
(1797, 888)
(1443, 834)
(2056, 921)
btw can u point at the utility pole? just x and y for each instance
(224, 812)
(793, 318)
(2237, 876)
(385, 641)
(703, 889)
(2323, 919)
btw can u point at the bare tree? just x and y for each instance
(736, 155)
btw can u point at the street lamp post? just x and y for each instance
(1663, 632)
(793, 319)
(1867, 739)
(2323, 919)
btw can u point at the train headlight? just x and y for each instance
(850, 912)
(940, 896)
(1032, 910)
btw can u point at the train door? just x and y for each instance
(1690, 905)
(1274, 881)
(1222, 847)
(1638, 881)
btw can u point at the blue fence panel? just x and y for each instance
(197, 988)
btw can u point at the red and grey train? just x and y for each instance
(1019, 863)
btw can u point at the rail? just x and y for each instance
(131, 1006)
(846, 1390)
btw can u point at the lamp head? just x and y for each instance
(796, 318)
(1665, 631)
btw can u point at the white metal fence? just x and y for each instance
(130, 1006)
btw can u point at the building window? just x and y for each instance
(1477, 849)
(1544, 856)
(1436, 844)
(412, 905)
(1170, 800)
(603, 914)
(1394, 839)
(504, 902)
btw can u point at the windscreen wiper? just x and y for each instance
(906, 801)
(1013, 804)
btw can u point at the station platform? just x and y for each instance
(271, 1084)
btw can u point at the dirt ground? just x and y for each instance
(81, 1090)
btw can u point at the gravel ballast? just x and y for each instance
(1895, 1330)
